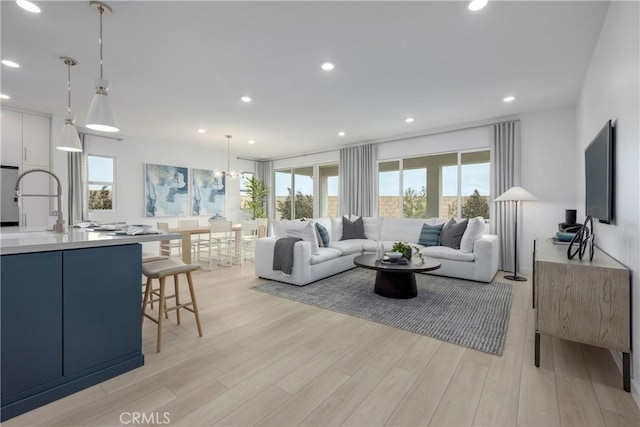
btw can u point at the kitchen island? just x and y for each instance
(70, 313)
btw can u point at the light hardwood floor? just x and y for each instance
(264, 360)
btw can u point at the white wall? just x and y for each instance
(131, 155)
(438, 143)
(548, 171)
(611, 91)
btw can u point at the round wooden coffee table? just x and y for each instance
(393, 280)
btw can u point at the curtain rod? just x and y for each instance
(441, 132)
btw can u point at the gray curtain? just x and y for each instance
(505, 164)
(77, 194)
(357, 180)
(264, 172)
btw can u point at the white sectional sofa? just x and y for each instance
(311, 263)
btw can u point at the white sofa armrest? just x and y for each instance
(301, 271)
(486, 251)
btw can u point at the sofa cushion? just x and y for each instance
(325, 254)
(401, 229)
(430, 235)
(352, 229)
(348, 247)
(305, 230)
(323, 234)
(372, 225)
(336, 229)
(474, 231)
(452, 233)
(444, 252)
(325, 221)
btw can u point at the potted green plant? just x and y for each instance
(257, 198)
(406, 250)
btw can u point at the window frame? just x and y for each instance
(459, 165)
(102, 183)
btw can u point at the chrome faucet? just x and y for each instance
(59, 226)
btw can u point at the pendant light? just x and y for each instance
(231, 174)
(69, 139)
(101, 115)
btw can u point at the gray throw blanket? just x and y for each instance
(283, 254)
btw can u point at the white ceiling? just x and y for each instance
(178, 66)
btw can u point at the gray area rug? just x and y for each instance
(470, 314)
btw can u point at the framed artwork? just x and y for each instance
(208, 193)
(166, 190)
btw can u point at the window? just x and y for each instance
(303, 186)
(244, 188)
(475, 171)
(101, 183)
(389, 189)
(328, 190)
(283, 194)
(443, 185)
(298, 182)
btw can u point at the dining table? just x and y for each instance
(187, 232)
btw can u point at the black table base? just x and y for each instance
(396, 284)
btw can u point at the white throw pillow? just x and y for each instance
(336, 229)
(305, 230)
(474, 231)
(372, 226)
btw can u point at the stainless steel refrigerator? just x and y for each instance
(9, 215)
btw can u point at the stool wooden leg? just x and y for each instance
(193, 300)
(161, 312)
(147, 293)
(176, 287)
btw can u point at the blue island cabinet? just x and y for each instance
(70, 319)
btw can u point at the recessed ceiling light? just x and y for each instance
(508, 98)
(246, 98)
(409, 119)
(28, 6)
(10, 63)
(341, 133)
(477, 4)
(3, 96)
(327, 66)
(202, 130)
(251, 141)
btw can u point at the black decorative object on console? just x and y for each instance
(584, 238)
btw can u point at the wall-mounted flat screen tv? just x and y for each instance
(599, 159)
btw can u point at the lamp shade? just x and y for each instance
(515, 194)
(101, 117)
(69, 139)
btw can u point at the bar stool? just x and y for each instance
(160, 270)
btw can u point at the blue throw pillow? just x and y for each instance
(430, 235)
(324, 234)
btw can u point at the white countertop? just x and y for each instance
(42, 241)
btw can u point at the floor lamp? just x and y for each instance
(515, 194)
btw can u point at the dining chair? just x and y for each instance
(263, 224)
(220, 241)
(249, 234)
(167, 245)
(196, 240)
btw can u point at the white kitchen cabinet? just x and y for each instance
(26, 144)
(35, 139)
(11, 146)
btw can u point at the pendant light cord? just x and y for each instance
(101, 10)
(68, 87)
(228, 154)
